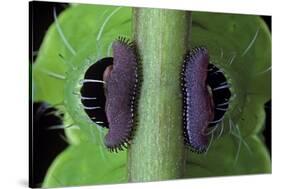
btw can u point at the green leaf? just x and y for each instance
(87, 164)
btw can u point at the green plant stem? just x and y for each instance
(157, 152)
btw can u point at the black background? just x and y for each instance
(47, 144)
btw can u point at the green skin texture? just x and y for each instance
(86, 161)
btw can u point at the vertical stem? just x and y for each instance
(157, 152)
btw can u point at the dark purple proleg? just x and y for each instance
(198, 108)
(206, 97)
(121, 83)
